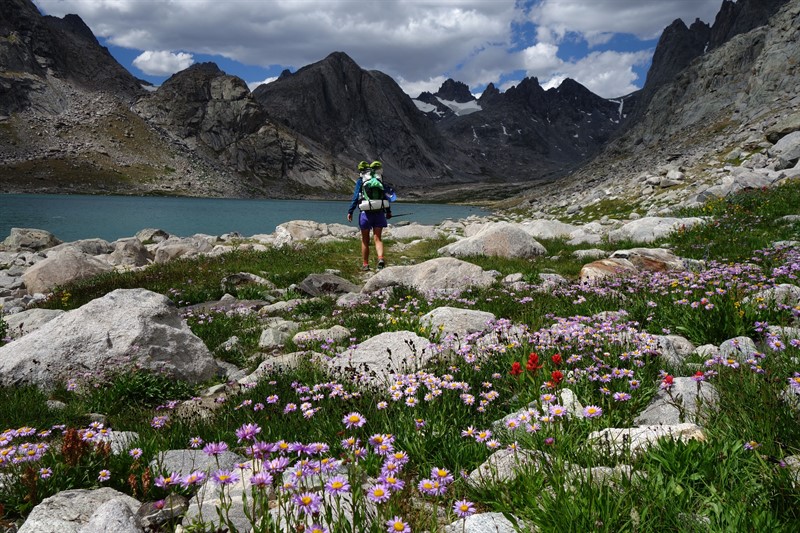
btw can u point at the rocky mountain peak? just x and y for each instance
(44, 47)
(489, 92)
(739, 17)
(356, 114)
(455, 91)
(74, 25)
(676, 48)
(528, 92)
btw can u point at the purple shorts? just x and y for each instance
(372, 219)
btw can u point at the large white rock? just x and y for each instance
(378, 358)
(648, 229)
(412, 231)
(651, 259)
(173, 248)
(335, 333)
(788, 147)
(605, 268)
(456, 321)
(637, 440)
(548, 229)
(686, 401)
(441, 274)
(501, 239)
(782, 294)
(130, 252)
(303, 230)
(483, 523)
(28, 239)
(125, 326)
(504, 465)
(114, 515)
(24, 322)
(94, 246)
(60, 268)
(69, 510)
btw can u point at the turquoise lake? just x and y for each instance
(73, 217)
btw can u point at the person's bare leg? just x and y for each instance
(378, 232)
(365, 246)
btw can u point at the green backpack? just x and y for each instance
(372, 189)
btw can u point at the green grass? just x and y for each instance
(742, 224)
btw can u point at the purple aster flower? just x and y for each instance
(442, 475)
(45, 473)
(215, 448)
(225, 477)
(397, 525)
(159, 422)
(195, 478)
(393, 483)
(354, 420)
(592, 411)
(164, 481)
(337, 485)
(104, 475)
(317, 448)
(621, 396)
(261, 479)
(248, 432)
(308, 502)
(316, 528)
(195, 442)
(135, 452)
(379, 493)
(431, 487)
(463, 508)
(359, 453)
(261, 450)
(483, 435)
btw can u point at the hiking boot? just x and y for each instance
(381, 264)
(365, 268)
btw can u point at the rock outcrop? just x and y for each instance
(501, 239)
(443, 274)
(125, 327)
(70, 511)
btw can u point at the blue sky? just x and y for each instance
(606, 45)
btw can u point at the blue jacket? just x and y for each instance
(356, 197)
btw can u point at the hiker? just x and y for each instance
(371, 199)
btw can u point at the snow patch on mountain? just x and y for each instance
(459, 108)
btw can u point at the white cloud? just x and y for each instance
(253, 84)
(607, 74)
(419, 43)
(162, 62)
(410, 39)
(540, 58)
(414, 88)
(597, 20)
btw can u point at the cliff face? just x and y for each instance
(35, 48)
(679, 45)
(726, 100)
(358, 114)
